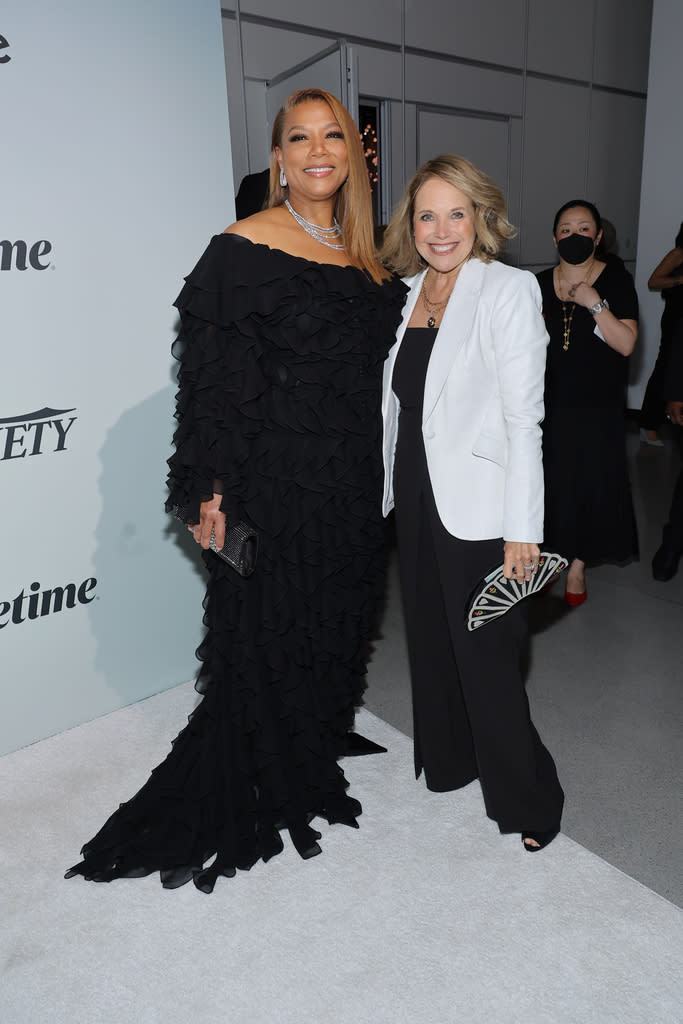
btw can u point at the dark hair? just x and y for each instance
(591, 207)
(679, 238)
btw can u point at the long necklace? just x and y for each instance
(431, 307)
(568, 313)
(567, 318)
(323, 235)
(562, 284)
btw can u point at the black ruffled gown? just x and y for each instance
(279, 401)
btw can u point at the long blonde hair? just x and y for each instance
(353, 205)
(492, 228)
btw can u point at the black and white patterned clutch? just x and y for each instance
(495, 595)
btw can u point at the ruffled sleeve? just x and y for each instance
(218, 350)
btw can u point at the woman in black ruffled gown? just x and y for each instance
(285, 328)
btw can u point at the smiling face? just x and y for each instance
(312, 152)
(443, 225)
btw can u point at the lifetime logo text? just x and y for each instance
(20, 255)
(4, 57)
(37, 602)
(35, 433)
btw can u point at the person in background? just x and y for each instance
(608, 247)
(462, 405)
(591, 313)
(668, 555)
(252, 195)
(665, 278)
(286, 321)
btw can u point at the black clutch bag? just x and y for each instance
(494, 594)
(240, 548)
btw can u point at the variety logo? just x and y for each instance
(35, 433)
(21, 255)
(35, 603)
(4, 57)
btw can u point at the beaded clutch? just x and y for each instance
(240, 548)
(495, 595)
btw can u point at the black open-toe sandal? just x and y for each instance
(542, 838)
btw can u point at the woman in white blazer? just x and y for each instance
(462, 407)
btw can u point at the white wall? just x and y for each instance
(116, 155)
(661, 200)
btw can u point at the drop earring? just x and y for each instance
(283, 178)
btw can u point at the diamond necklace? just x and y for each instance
(322, 235)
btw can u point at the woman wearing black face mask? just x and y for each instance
(591, 314)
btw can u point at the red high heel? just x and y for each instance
(574, 600)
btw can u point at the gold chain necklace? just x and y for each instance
(431, 307)
(562, 283)
(567, 317)
(567, 323)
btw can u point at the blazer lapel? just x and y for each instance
(415, 284)
(455, 328)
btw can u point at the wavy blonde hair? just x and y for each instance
(492, 228)
(353, 205)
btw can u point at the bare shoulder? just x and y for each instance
(259, 227)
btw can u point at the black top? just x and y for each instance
(410, 368)
(275, 349)
(589, 374)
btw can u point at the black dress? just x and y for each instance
(279, 409)
(588, 504)
(655, 398)
(470, 711)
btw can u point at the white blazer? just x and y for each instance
(483, 405)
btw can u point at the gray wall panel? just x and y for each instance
(484, 30)
(661, 205)
(561, 38)
(233, 74)
(554, 161)
(269, 52)
(445, 83)
(380, 72)
(622, 43)
(482, 140)
(614, 163)
(380, 20)
(259, 141)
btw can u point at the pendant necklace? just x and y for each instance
(325, 236)
(431, 307)
(568, 313)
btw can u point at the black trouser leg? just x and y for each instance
(672, 534)
(518, 776)
(442, 735)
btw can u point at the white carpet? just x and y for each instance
(425, 915)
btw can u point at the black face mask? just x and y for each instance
(575, 248)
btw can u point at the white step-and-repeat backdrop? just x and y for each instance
(115, 169)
